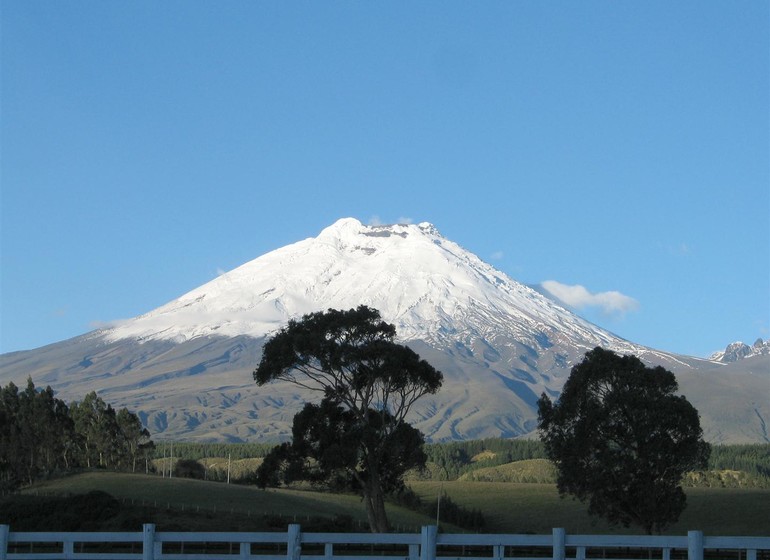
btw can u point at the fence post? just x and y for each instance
(294, 548)
(695, 545)
(148, 541)
(4, 531)
(428, 542)
(68, 548)
(559, 544)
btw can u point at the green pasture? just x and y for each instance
(197, 496)
(537, 508)
(530, 470)
(507, 507)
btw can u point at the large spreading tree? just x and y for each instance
(357, 436)
(622, 439)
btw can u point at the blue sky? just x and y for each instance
(614, 146)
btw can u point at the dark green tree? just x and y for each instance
(357, 436)
(30, 426)
(10, 439)
(36, 435)
(40, 435)
(96, 422)
(49, 428)
(189, 468)
(134, 438)
(622, 439)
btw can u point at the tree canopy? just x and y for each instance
(357, 436)
(622, 439)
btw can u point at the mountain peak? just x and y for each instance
(347, 228)
(420, 281)
(400, 269)
(740, 350)
(341, 228)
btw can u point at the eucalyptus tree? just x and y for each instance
(96, 422)
(357, 436)
(134, 438)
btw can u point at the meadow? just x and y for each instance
(508, 507)
(186, 504)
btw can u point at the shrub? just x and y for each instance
(189, 468)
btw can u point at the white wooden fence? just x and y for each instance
(428, 545)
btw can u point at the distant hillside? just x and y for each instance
(529, 471)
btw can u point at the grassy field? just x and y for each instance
(537, 508)
(530, 470)
(507, 507)
(196, 496)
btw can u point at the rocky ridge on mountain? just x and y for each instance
(739, 350)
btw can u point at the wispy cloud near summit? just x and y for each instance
(375, 220)
(577, 296)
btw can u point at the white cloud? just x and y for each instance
(98, 324)
(375, 220)
(579, 297)
(496, 256)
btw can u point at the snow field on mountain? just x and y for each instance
(423, 283)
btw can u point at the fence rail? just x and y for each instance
(426, 545)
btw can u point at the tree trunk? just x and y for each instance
(375, 503)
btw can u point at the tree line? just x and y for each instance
(451, 460)
(753, 459)
(456, 458)
(203, 450)
(41, 435)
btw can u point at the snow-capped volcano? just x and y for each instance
(186, 367)
(429, 287)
